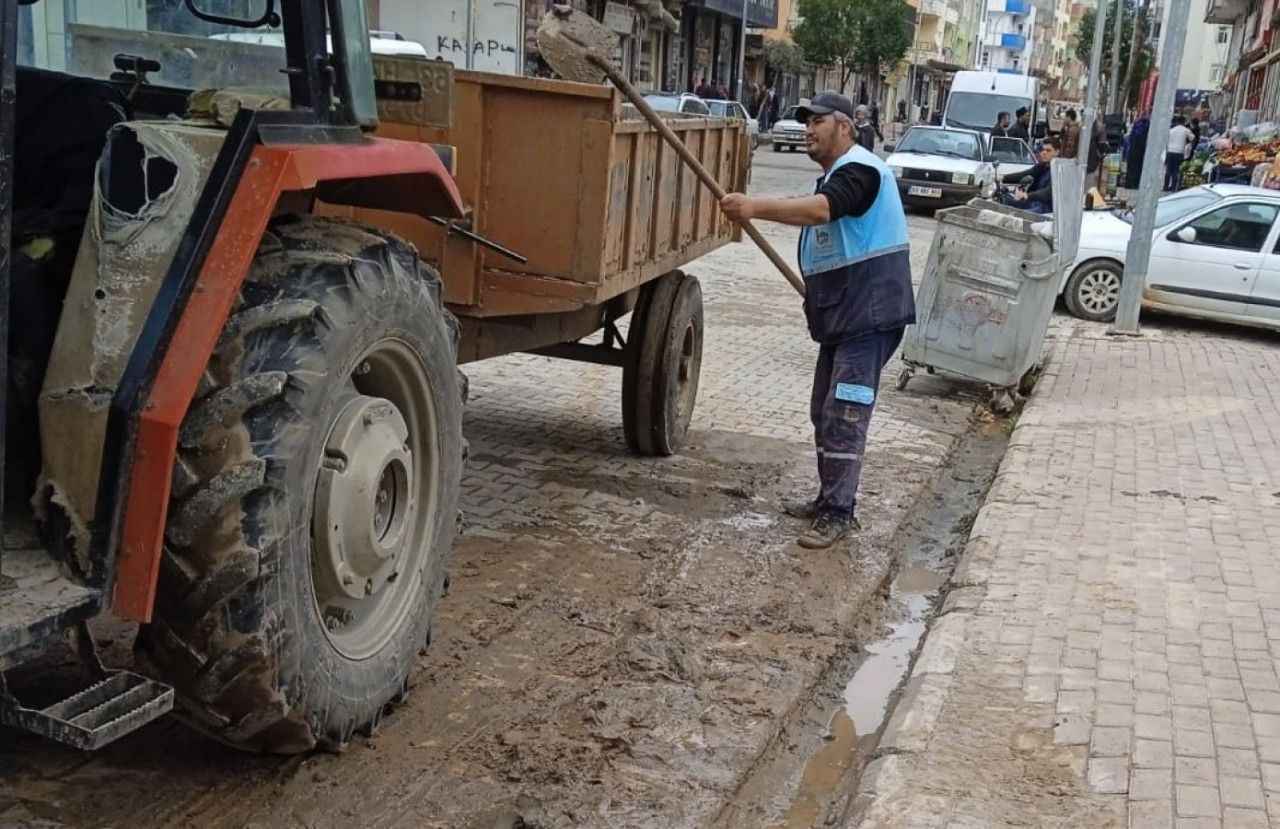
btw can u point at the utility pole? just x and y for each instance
(1138, 255)
(1115, 58)
(1140, 15)
(742, 55)
(1095, 87)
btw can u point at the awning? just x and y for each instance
(943, 66)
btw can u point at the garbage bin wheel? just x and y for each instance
(663, 365)
(904, 378)
(1027, 383)
(1093, 291)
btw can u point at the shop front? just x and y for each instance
(713, 39)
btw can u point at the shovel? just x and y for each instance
(578, 47)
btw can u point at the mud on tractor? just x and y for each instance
(230, 419)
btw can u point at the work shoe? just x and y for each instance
(827, 529)
(808, 510)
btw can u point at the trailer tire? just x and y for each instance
(325, 442)
(663, 365)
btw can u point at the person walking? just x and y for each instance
(864, 134)
(1135, 152)
(1176, 153)
(1070, 135)
(856, 262)
(874, 116)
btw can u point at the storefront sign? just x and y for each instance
(619, 18)
(763, 14)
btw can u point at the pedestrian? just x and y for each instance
(1070, 135)
(1195, 136)
(1136, 152)
(1176, 153)
(1022, 128)
(766, 111)
(875, 121)
(864, 135)
(1001, 129)
(902, 112)
(856, 263)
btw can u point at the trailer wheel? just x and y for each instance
(664, 361)
(315, 494)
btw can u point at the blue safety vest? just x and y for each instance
(857, 269)
(881, 230)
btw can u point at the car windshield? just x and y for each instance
(722, 109)
(664, 103)
(941, 142)
(790, 114)
(1174, 206)
(1011, 151)
(979, 110)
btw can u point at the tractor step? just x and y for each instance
(37, 602)
(114, 706)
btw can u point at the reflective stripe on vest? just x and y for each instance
(852, 239)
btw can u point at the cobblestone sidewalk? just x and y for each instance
(1108, 653)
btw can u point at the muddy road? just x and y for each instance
(626, 642)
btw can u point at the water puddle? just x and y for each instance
(930, 540)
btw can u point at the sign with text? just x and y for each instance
(619, 18)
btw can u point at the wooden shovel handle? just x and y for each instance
(674, 140)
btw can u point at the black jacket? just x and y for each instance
(1041, 188)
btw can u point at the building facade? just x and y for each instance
(1008, 36)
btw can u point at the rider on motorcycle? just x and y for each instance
(1035, 192)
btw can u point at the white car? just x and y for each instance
(788, 132)
(380, 43)
(685, 103)
(940, 167)
(1214, 256)
(735, 110)
(1010, 156)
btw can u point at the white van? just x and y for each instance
(978, 98)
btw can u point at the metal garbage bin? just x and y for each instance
(989, 288)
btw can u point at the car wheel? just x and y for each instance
(1093, 291)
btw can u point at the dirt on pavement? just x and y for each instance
(625, 643)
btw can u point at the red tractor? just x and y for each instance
(230, 419)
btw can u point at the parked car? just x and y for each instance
(733, 109)
(788, 132)
(940, 167)
(1214, 256)
(683, 102)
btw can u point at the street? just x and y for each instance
(626, 642)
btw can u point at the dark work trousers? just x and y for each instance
(845, 384)
(1172, 171)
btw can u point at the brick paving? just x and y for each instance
(1115, 621)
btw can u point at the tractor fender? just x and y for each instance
(377, 173)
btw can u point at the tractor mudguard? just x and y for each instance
(147, 305)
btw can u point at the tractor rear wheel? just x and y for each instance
(315, 495)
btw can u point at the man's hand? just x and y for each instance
(738, 207)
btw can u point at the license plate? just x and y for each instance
(927, 192)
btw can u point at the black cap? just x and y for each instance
(825, 103)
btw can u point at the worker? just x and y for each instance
(857, 272)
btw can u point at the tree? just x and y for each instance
(884, 35)
(784, 56)
(828, 34)
(853, 35)
(1084, 42)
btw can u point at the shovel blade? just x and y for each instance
(567, 36)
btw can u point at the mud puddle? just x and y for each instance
(929, 542)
